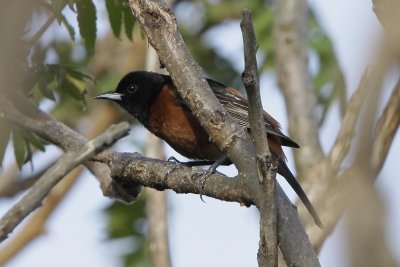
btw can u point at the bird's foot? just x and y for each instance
(173, 167)
(208, 173)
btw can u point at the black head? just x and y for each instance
(136, 92)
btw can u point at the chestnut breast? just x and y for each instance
(179, 128)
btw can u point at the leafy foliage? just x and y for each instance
(67, 79)
(118, 12)
(128, 222)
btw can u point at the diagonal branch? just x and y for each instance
(54, 174)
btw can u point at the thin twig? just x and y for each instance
(54, 174)
(42, 30)
(268, 246)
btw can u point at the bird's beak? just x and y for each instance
(114, 96)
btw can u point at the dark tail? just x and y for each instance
(285, 172)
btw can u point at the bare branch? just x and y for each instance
(268, 247)
(54, 174)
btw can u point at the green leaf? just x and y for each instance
(87, 23)
(4, 138)
(57, 6)
(34, 141)
(79, 73)
(19, 148)
(43, 85)
(74, 88)
(69, 27)
(129, 21)
(114, 9)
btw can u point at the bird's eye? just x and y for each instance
(132, 88)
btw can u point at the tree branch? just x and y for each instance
(266, 165)
(54, 174)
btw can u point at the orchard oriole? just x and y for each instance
(153, 99)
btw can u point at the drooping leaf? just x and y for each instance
(34, 141)
(19, 148)
(69, 27)
(43, 85)
(79, 73)
(129, 21)
(114, 9)
(87, 23)
(57, 7)
(74, 88)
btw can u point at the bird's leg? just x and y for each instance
(209, 172)
(174, 166)
(206, 174)
(188, 164)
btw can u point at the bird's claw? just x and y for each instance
(203, 180)
(173, 167)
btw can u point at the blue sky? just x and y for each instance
(217, 233)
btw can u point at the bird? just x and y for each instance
(154, 101)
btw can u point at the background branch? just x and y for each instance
(156, 201)
(290, 37)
